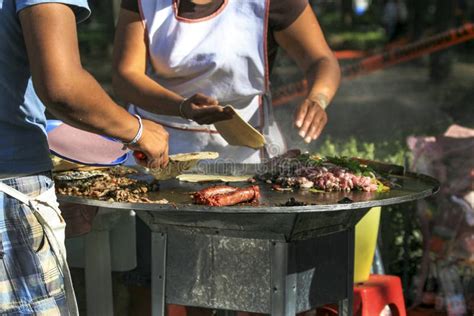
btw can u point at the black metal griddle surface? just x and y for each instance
(409, 187)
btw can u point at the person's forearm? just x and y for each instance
(67, 90)
(137, 88)
(323, 78)
(82, 103)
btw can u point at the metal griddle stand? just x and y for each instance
(272, 263)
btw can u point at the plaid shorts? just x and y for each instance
(31, 283)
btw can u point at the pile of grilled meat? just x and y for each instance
(295, 170)
(111, 184)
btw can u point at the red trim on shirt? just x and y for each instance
(265, 45)
(261, 112)
(186, 20)
(267, 69)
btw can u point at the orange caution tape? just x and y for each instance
(410, 51)
(389, 58)
(350, 54)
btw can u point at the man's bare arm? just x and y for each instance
(69, 91)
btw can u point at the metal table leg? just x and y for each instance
(158, 273)
(284, 279)
(98, 274)
(345, 305)
(98, 265)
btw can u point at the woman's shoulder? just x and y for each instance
(284, 12)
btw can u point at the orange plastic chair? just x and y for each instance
(371, 297)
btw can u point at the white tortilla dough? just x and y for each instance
(181, 162)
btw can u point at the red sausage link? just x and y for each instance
(202, 197)
(218, 189)
(231, 198)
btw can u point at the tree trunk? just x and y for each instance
(441, 62)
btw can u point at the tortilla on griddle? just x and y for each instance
(203, 155)
(179, 163)
(196, 178)
(238, 132)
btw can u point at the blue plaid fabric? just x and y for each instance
(31, 283)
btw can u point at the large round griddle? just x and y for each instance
(408, 187)
(257, 250)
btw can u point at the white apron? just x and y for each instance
(46, 210)
(223, 56)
